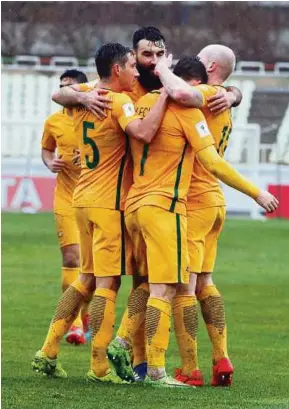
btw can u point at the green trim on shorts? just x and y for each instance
(178, 178)
(120, 174)
(179, 248)
(123, 261)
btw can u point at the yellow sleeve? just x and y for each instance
(195, 128)
(48, 140)
(210, 159)
(123, 110)
(206, 91)
(85, 87)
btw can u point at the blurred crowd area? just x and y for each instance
(257, 31)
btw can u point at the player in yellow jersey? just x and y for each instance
(156, 209)
(206, 213)
(106, 175)
(58, 135)
(149, 47)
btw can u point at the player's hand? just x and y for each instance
(96, 102)
(164, 62)
(221, 101)
(76, 158)
(267, 201)
(57, 165)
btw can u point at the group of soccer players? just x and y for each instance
(148, 204)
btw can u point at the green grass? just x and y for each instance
(252, 273)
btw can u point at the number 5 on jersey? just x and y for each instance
(89, 141)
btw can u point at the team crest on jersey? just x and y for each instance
(128, 109)
(60, 234)
(202, 129)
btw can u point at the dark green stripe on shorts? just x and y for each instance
(179, 248)
(123, 261)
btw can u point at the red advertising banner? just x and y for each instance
(31, 194)
(35, 194)
(282, 194)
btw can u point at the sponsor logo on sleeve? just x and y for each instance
(128, 109)
(202, 129)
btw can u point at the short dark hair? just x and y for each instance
(108, 55)
(147, 33)
(189, 68)
(79, 76)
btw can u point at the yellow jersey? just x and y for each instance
(163, 168)
(106, 168)
(59, 135)
(205, 190)
(137, 92)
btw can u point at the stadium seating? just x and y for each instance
(256, 66)
(268, 110)
(64, 62)
(240, 117)
(280, 149)
(26, 103)
(27, 60)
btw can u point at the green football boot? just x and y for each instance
(110, 377)
(121, 360)
(47, 366)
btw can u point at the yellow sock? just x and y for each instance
(102, 316)
(134, 315)
(157, 331)
(69, 275)
(212, 306)
(186, 327)
(67, 309)
(139, 346)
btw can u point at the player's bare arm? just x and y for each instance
(186, 94)
(211, 160)
(177, 88)
(236, 93)
(51, 161)
(146, 128)
(95, 100)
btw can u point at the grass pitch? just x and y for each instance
(252, 273)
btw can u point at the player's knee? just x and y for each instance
(203, 280)
(163, 291)
(188, 289)
(88, 280)
(110, 283)
(70, 256)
